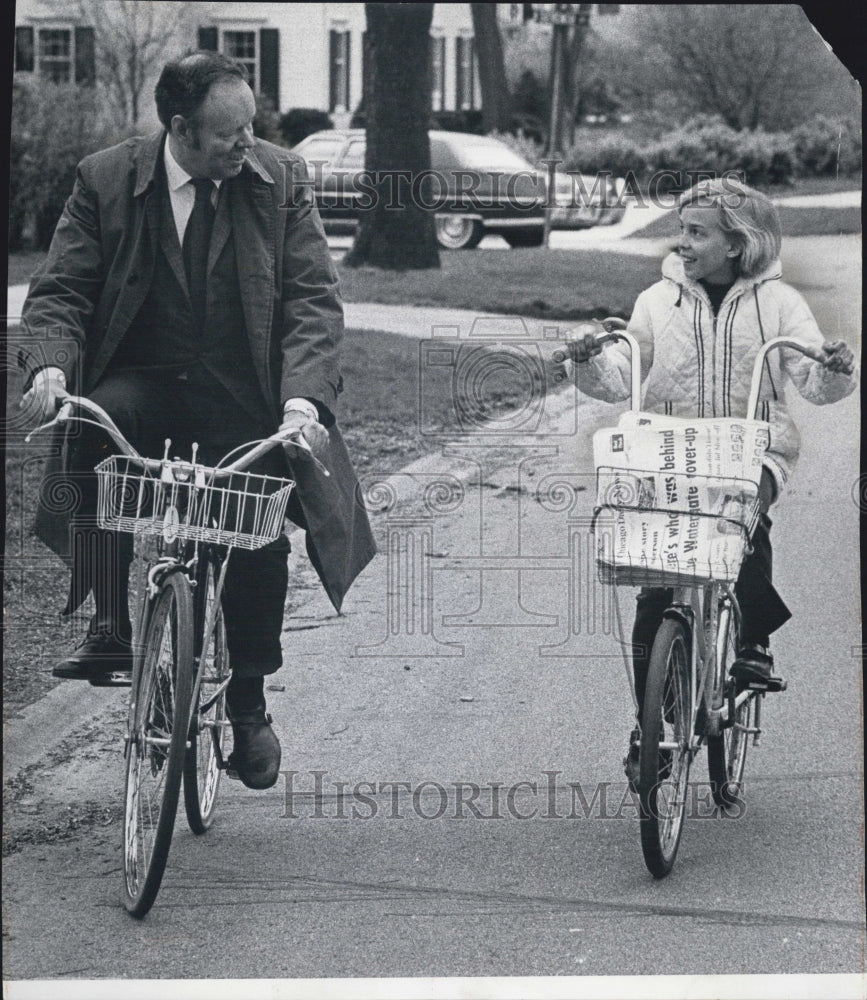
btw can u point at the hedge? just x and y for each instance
(820, 146)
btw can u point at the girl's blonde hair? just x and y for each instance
(747, 216)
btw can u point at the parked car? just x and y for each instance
(479, 186)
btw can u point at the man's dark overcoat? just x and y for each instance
(99, 271)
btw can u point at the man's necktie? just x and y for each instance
(197, 240)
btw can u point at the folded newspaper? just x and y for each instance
(677, 494)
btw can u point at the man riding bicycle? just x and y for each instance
(191, 269)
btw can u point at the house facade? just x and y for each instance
(300, 55)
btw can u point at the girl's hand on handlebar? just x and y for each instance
(838, 357)
(612, 323)
(296, 421)
(45, 396)
(583, 347)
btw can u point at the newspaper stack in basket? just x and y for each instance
(677, 496)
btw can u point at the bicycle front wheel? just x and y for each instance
(208, 723)
(665, 747)
(157, 743)
(727, 750)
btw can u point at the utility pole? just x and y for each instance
(560, 18)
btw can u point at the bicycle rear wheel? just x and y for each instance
(157, 742)
(727, 750)
(665, 747)
(208, 723)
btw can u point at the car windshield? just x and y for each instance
(354, 155)
(321, 149)
(488, 155)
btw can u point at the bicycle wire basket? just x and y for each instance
(669, 529)
(191, 503)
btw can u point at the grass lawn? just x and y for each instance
(794, 221)
(379, 414)
(549, 284)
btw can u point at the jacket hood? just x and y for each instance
(672, 269)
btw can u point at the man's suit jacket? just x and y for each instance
(98, 272)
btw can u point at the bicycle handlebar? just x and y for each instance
(103, 420)
(758, 365)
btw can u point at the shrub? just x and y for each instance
(297, 123)
(266, 124)
(53, 128)
(826, 146)
(615, 152)
(702, 144)
(766, 158)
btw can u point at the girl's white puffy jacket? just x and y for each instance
(695, 364)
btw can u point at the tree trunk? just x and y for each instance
(397, 232)
(496, 99)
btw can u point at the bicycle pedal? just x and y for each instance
(771, 685)
(114, 680)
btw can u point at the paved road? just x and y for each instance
(283, 886)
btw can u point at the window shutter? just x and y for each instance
(209, 39)
(347, 74)
(472, 44)
(332, 70)
(430, 62)
(24, 62)
(85, 57)
(269, 65)
(459, 72)
(365, 70)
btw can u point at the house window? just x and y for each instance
(465, 59)
(56, 54)
(241, 46)
(438, 73)
(338, 99)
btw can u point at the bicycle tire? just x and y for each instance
(664, 771)
(157, 742)
(727, 750)
(202, 772)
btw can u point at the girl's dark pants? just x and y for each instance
(762, 609)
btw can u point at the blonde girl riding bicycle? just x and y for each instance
(699, 329)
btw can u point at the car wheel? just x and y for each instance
(525, 237)
(458, 232)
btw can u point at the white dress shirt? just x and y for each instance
(181, 192)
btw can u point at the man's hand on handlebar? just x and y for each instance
(45, 395)
(297, 421)
(838, 357)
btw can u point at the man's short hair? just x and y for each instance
(184, 83)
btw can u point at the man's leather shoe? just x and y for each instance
(255, 759)
(98, 655)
